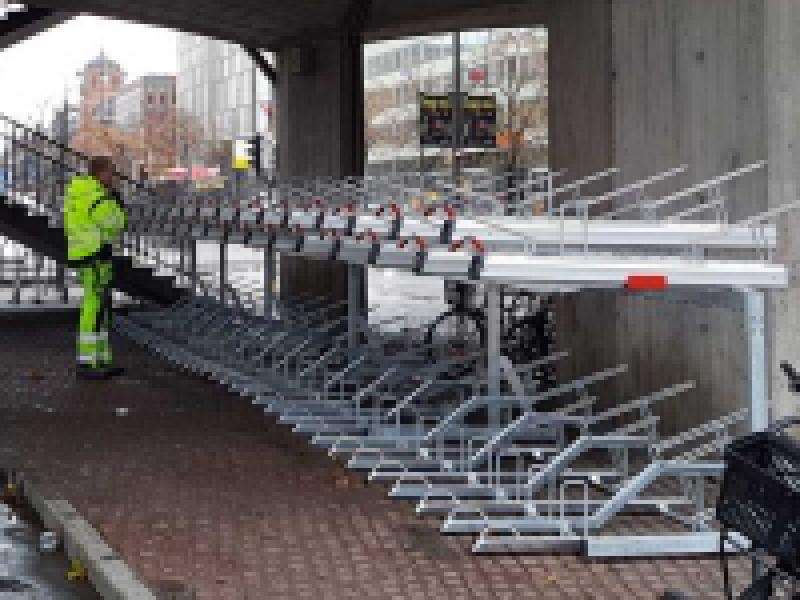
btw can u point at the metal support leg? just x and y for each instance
(353, 304)
(182, 258)
(223, 268)
(756, 345)
(38, 266)
(493, 352)
(269, 280)
(18, 260)
(193, 263)
(61, 282)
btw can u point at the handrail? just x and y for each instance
(638, 185)
(586, 180)
(643, 401)
(700, 187)
(69, 150)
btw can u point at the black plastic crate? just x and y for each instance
(760, 496)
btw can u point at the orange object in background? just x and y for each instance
(504, 138)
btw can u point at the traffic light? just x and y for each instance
(254, 153)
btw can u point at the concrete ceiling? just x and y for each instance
(17, 26)
(271, 24)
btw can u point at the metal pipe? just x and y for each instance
(269, 280)
(757, 353)
(493, 352)
(223, 267)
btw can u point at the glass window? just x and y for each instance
(242, 91)
(232, 96)
(392, 140)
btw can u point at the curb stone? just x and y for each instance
(111, 577)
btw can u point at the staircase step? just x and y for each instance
(35, 232)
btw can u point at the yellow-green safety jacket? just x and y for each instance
(93, 219)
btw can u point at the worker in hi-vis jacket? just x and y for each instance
(93, 220)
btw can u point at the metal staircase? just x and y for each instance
(36, 170)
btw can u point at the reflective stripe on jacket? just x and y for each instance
(92, 218)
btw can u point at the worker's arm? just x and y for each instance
(109, 218)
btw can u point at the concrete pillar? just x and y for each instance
(580, 102)
(320, 133)
(646, 85)
(688, 88)
(782, 91)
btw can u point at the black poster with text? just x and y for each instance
(436, 120)
(480, 122)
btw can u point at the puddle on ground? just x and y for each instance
(26, 573)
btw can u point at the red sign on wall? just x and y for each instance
(476, 75)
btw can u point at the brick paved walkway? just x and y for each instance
(194, 485)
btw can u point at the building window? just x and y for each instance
(232, 96)
(149, 99)
(163, 98)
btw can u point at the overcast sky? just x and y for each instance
(35, 71)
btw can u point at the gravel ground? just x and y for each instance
(198, 490)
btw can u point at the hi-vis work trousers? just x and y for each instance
(94, 350)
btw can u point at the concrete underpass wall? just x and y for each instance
(688, 87)
(664, 340)
(686, 83)
(580, 103)
(782, 35)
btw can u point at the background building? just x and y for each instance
(101, 80)
(145, 109)
(64, 123)
(148, 97)
(510, 64)
(215, 90)
(134, 122)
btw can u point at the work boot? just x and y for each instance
(98, 373)
(114, 371)
(90, 373)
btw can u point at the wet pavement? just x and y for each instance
(25, 572)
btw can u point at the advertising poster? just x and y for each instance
(436, 120)
(480, 122)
